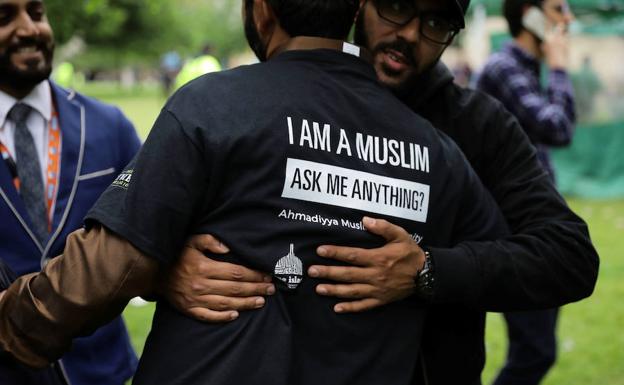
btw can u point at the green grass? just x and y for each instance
(591, 341)
(138, 321)
(141, 105)
(591, 335)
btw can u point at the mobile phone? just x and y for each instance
(534, 21)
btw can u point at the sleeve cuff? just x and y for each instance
(456, 276)
(133, 237)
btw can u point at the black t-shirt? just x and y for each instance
(276, 159)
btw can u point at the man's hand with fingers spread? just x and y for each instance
(214, 291)
(378, 276)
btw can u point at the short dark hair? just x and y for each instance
(513, 10)
(320, 18)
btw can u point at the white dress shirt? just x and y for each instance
(40, 100)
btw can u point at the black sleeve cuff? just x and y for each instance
(121, 229)
(457, 278)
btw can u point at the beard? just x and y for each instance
(252, 35)
(404, 82)
(35, 73)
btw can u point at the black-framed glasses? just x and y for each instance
(434, 26)
(562, 9)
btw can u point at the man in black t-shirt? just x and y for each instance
(275, 158)
(547, 260)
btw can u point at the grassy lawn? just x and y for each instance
(591, 339)
(141, 105)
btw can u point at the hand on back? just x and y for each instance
(210, 290)
(214, 291)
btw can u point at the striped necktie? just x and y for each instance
(29, 171)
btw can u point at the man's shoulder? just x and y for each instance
(228, 87)
(475, 108)
(102, 121)
(90, 104)
(500, 59)
(498, 65)
(476, 121)
(217, 80)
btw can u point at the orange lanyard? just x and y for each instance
(8, 160)
(53, 166)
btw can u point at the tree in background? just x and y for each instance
(120, 33)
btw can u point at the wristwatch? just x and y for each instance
(425, 279)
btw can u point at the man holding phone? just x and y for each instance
(539, 29)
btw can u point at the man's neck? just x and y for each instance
(529, 44)
(18, 93)
(303, 43)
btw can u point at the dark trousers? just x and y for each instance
(532, 347)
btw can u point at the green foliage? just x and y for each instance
(64, 16)
(134, 32)
(215, 22)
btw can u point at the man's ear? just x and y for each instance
(357, 14)
(526, 7)
(265, 18)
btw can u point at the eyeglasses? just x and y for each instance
(562, 9)
(434, 26)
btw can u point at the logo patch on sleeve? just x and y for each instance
(123, 179)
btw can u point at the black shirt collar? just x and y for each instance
(328, 51)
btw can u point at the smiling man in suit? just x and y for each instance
(60, 150)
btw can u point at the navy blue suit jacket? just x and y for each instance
(97, 142)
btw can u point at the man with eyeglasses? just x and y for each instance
(539, 30)
(406, 37)
(547, 261)
(283, 156)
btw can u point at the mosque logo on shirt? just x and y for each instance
(289, 269)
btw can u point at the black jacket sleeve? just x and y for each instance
(548, 260)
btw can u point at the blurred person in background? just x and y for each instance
(64, 74)
(204, 63)
(548, 261)
(60, 150)
(540, 36)
(462, 72)
(170, 65)
(587, 85)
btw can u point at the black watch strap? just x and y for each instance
(425, 279)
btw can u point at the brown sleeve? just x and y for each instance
(84, 288)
